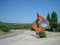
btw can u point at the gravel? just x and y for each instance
(30, 38)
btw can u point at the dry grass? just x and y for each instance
(2, 32)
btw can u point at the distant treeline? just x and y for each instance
(8, 26)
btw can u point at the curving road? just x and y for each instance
(29, 38)
(13, 33)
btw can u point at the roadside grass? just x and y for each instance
(3, 33)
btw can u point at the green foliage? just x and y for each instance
(54, 21)
(48, 17)
(4, 27)
(42, 34)
(7, 26)
(58, 29)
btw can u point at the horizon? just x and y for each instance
(25, 11)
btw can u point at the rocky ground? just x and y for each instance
(30, 38)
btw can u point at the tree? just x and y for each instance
(54, 21)
(48, 17)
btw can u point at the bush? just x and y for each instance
(42, 34)
(4, 28)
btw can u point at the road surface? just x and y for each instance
(30, 38)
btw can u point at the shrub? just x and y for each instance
(42, 34)
(4, 28)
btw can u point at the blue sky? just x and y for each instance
(24, 11)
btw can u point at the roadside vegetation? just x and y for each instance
(52, 18)
(41, 34)
(6, 27)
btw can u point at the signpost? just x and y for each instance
(40, 24)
